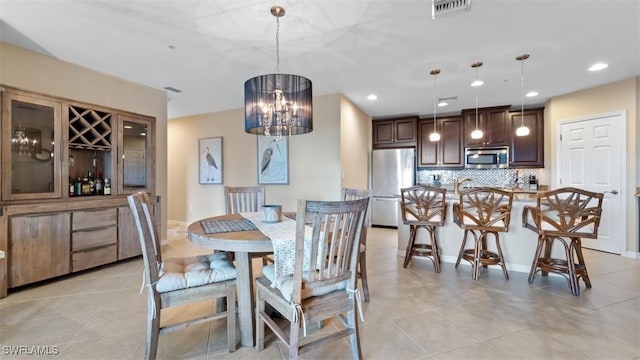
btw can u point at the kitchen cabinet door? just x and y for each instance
(527, 151)
(128, 242)
(394, 133)
(39, 247)
(31, 159)
(448, 151)
(494, 123)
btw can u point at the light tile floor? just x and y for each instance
(413, 314)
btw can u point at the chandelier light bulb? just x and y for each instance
(434, 136)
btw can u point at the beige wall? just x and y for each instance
(617, 96)
(339, 142)
(355, 145)
(38, 73)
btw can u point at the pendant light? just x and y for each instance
(522, 130)
(477, 133)
(434, 136)
(278, 104)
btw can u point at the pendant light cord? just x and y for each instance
(435, 107)
(476, 111)
(277, 45)
(522, 93)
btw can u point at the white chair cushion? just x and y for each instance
(182, 273)
(286, 284)
(469, 221)
(434, 219)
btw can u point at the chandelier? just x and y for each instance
(278, 104)
(21, 144)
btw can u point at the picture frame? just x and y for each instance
(273, 160)
(210, 163)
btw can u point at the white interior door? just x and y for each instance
(592, 157)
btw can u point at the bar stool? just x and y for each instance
(482, 212)
(564, 216)
(424, 207)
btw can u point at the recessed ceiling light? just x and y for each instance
(442, 103)
(532, 94)
(477, 83)
(598, 66)
(372, 97)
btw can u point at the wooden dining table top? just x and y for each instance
(244, 241)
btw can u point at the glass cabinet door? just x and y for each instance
(135, 155)
(31, 134)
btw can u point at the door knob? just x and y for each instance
(614, 192)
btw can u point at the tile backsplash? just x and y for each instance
(492, 177)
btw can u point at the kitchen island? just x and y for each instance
(518, 244)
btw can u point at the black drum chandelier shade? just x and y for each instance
(278, 104)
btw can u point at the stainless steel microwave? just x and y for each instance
(486, 158)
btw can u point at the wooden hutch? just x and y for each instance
(66, 169)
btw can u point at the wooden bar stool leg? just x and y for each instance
(412, 239)
(547, 252)
(500, 256)
(477, 257)
(584, 274)
(461, 252)
(569, 269)
(536, 259)
(434, 248)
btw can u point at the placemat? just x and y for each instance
(229, 225)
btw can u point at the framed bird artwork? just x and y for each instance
(273, 160)
(210, 160)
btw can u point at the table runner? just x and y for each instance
(283, 239)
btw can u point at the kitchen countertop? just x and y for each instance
(519, 194)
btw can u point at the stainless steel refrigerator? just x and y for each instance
(391, 170)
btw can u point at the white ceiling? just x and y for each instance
(353, 47)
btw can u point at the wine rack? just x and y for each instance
(89, 129)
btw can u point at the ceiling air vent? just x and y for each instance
(171, 88)
(441, 7)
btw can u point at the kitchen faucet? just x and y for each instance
(457, 183)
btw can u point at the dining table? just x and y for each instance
(243, 243)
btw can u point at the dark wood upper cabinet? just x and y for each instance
(527, 151)
(393, 133)
(493, 121)
(446, 153)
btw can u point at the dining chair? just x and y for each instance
(326, 288)
(180, 281)
(423, 206)
(482, 212)
(355, 194)
(565, 216)
(243, 199)
(246, 199)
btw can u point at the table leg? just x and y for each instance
(245, 298)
